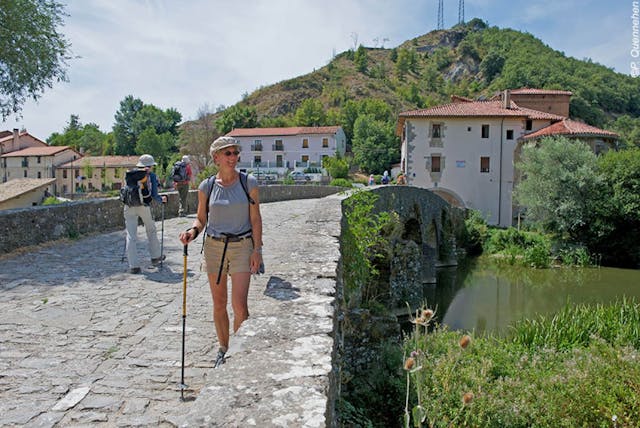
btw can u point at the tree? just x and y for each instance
(237, 116)
(125, 139)
(310, 113)
(155, 144)
(361, 59)
(337, 166)
(560, 187)
(87, 139)
(374, 144)
(195, 137)
(33, 54)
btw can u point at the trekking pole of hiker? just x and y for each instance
(184, 319)
(162, 237)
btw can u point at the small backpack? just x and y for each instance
(179, 172)
(137, 190)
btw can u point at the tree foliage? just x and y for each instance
(144, 128)
(237, 116)
(374, 145)
(310, 113)
(560, 186)
(34, 53)
(87, 139)
(196, 137)
(361, 60)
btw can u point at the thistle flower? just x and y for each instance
(409, 363)
(467, 397)
(427, 314)
(465, 341)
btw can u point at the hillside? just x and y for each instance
(471, 60)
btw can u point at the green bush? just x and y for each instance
(475, 232)
(340, 182)
(51, 200)
(574, 369)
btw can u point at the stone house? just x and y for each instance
(93, 173)
(465, 151)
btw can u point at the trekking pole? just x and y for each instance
(162, 238)
(184, 319)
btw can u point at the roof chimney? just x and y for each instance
(16, 135)
(506, 98)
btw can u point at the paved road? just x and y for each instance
(83, 342)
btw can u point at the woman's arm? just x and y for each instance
(199, 223)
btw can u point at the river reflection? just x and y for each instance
(486, 297)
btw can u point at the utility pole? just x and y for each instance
(460, 11)
(440, 15)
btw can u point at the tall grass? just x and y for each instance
(579, 368)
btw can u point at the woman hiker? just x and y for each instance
(229, 214)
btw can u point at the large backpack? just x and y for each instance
(179, 172)
(137, 189)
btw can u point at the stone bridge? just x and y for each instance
(85, 343)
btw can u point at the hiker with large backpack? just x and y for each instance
(141, 188)
(229, 216)
(181, 176)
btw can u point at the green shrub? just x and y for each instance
(51, 200)
(340, 182)
(475, 232)
(577, 368)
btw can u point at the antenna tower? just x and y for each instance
(460, 11)
(440, 15)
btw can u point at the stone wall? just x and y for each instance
(36, 225)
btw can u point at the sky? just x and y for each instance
(196, 54)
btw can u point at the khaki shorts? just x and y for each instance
(236, 260)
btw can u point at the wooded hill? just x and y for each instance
(470, 60)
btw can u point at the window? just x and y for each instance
(435, 163)
(257, 160)
(484, 164)
(325, 143)
(485, 131)
(25, 173)
(38, 159)
(39, 174)
(509, 134)
(305, 158)
(256, 146)
(305, 143)
(528, 125)
(436, 130)
(64, 173)
(278, 146)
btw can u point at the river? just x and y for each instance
(482, 296)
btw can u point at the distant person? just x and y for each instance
(140, 190)
(400, 180)
(372, 180)
(229, 215)
(385, 178)
(181, 176)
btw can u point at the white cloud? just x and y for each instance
(188, 53)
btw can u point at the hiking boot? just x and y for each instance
(135, 270)
(219, 358)
(158, 260)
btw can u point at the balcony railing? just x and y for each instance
(256, 147)
(277, 147)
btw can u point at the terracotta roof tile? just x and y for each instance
(99, 161)
(38, 151)
(295, 130)
(572, 128)
(19, 186)
(479, 109)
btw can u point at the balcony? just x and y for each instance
(256, 147)
(277, 147)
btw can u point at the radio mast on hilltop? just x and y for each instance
(460, 11)
(440, 25)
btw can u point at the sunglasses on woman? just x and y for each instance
(229, 153)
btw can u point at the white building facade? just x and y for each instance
(288, 148)
(464, 152)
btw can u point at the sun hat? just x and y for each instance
(146, 161)
(221, 143)
(185, 159)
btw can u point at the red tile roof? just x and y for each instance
(270, 132)
(9, 137)
(38, 151)
(480, 109)
(531, 91)
(572, 128)
(100, 161)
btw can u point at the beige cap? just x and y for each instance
(222, 143)
(146, 161)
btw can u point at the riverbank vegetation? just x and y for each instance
(578, 367)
